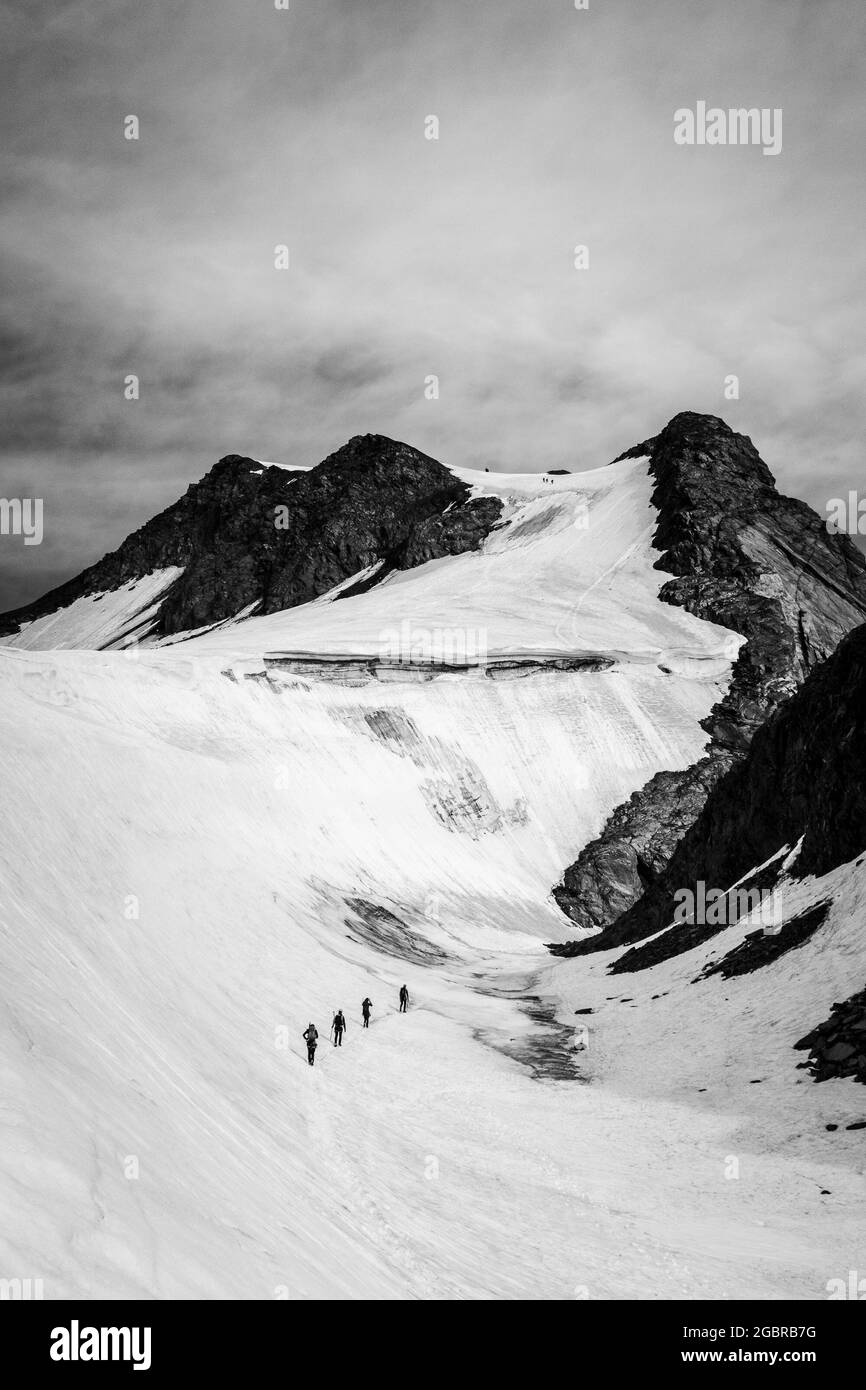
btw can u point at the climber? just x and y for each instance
(311, 1037)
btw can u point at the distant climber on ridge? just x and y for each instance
(339, 1028)
(404, 999)
(311, 1037)
(366, 1006)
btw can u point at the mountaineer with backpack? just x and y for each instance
(311, 1037)
(365, 1010)
(339, 1028)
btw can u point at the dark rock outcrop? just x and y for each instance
(360, 670)
(804, 776)
(751, 560)
(760, 948)
(373, 500)
(754, 891)
(635, 845)
(837, 1047)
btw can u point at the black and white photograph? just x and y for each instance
(433, 665)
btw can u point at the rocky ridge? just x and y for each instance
(746, 557)
(264, 538)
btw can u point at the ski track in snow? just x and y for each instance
(194, 861)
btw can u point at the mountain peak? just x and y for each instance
(749, 559)
(687, 422)
(260, 538)
(378, 451)
(689, 429)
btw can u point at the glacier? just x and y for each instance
(203, 850)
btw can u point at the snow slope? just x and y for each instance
(199, 856)
(184, 856)
(569, 570)
(100, 620)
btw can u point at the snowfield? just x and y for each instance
(201, 855)
(569, 570)
(116, 618)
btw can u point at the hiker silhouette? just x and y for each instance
(311, 1038)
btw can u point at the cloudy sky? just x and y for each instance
(411, 257)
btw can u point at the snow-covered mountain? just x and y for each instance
(255, 773)
(258, 538)
(757, 562)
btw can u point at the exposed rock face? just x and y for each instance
(635, 845)
(373, 500)
(837, 1047)
(751, 560)
(360, 670)
(803, 776)
(760, 948)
